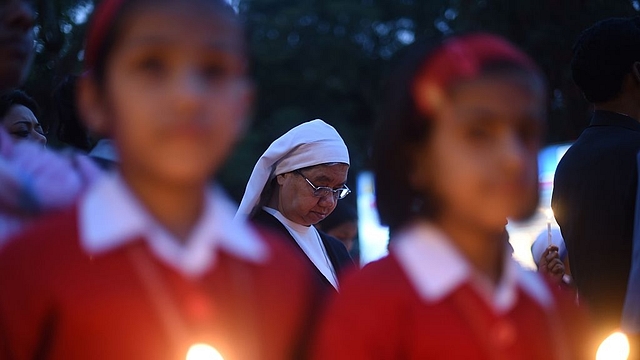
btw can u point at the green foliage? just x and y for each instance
(60, 29)
(327, 58)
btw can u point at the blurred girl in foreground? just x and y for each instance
(455, 155)
(149, 264)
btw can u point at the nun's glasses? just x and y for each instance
(322, 191)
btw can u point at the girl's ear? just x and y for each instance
(420, 176)
(91, 106)
(280, 179)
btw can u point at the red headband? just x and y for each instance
(101, 21)
(462, 58)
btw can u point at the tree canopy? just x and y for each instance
(327, 58)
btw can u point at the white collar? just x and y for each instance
(105, 149)
(436, 268)
(111, 216)
(311, 244)
(288, 223)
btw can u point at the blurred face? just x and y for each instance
(481, 159)
(16, 41)
(295, 197)
(22, 124)
(175, 97)
(346, 233)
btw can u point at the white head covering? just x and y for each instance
(308, 144)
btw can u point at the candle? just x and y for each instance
(549, 218)
(614, 347)
(203, 351)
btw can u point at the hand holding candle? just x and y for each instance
(549, 213)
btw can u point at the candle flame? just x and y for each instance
(614, 347)
(203, 351)
(549, 213)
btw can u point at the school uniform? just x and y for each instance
(424, 301)
(104, 281)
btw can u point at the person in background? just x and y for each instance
(33, 179)
(17, 18)
(455, 154)
(342, 224)
(552, 258)
(295, 184)
(69, 127)
(149, 264)
(596, 181)
(18, 115)
(631, 310)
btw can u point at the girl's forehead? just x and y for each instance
(498, 98)
(183, 21)
(490, 99)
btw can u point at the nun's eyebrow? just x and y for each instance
(324, 178)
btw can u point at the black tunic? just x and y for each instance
(337, 252)
(594, 203)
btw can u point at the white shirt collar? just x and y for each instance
(111, 216)
(105, 149)
(436, 268)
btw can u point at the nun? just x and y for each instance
(296, 183)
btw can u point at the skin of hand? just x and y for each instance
(551, 265)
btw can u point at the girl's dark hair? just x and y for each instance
(70, 129)
(17, 97)
(104, 48)
(400, 130)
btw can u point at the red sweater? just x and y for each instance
(56, 302)
(379, 315)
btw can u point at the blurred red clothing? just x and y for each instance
(60, 301)
(390, 311)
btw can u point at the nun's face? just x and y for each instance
(295, 197)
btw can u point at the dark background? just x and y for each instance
(326, 59)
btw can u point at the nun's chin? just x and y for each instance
(316, 217)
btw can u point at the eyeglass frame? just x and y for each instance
(334, 192)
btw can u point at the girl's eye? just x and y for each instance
(219, 67)
(152, 66)
(20, 133)
(479, 133)
(214, 71)
(530, 132)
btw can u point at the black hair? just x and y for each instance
(70, 129)
(402, 129)
(399, 131)
(603, 55)
(343, 213)
(17, 97)
(115, 28)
